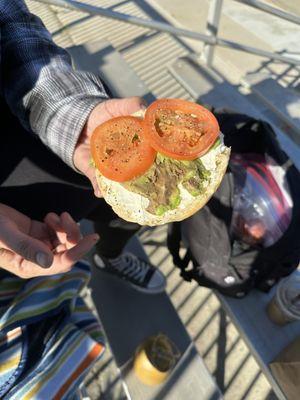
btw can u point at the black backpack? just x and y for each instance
(212, 257)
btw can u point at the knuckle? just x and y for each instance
(64, 214)
(7, 258)
(2, 252)
(47, 217)
(22, 270)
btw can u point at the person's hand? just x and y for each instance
(30, 248)
(101, 113)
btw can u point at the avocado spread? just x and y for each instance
(160, 183)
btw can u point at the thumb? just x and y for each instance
(112, 108)
(91, 174)
(27, 247)
(127, 106)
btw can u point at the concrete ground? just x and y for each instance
(149, 54)
(245, 25)
(217, 340)
(286, 5)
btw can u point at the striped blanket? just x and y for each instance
(48, 337)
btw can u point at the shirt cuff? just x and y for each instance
(64, 136)
(59, 108)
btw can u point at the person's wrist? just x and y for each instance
(84, 108)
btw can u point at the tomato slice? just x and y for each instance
(180, 129)
(120, 149)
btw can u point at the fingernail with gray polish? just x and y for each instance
(43, 260)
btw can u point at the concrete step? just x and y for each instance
(129, 317)
(284, 102)
(265, 339)
(103, 59)
(207, 86)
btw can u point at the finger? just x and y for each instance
(42, 232)
(12, 263)
(81, 159)
(60, 248)
(53, 221)
(127, 106)
(15, 264)
(7, 259)
(66, 259)
(93, 179)
(97, 191)
(109, 109)
(48, 243)
(29, 248)
(70, 227)
(91, 175)
(39, 230)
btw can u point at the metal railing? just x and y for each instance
(271, 10)
(210, 38)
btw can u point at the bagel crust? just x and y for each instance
(132, 206)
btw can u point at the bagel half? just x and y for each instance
(132, 206)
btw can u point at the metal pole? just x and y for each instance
(163, 27)
(256, 51)
(159, 26)
(212, 27)
(271, 10)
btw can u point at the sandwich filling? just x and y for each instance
(161, 183)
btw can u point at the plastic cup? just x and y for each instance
(155, 359)
(285, 304)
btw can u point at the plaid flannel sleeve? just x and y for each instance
(39, 84)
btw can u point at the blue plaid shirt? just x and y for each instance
(38, 83)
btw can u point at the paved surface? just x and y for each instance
(242, 24)
(291, 6)
(217, 340)
(149, 54)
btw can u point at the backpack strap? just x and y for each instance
(174, 239)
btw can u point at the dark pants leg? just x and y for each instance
(114, 232)
(35, 181)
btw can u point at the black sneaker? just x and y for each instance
(137, 272)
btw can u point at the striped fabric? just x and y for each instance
(48, 337)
